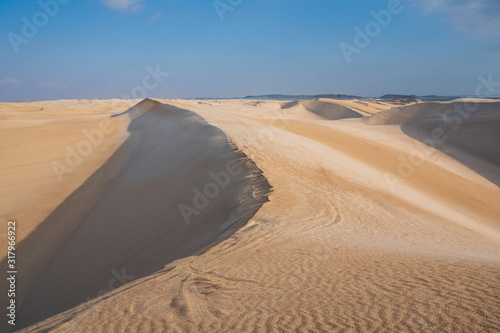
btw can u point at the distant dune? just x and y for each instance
(467, 130)
(329, 111)
(300, 97)
(255, 215)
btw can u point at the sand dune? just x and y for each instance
(466, 130)
(328, 111)
(137, 217)
(366, 107)
(354, 237)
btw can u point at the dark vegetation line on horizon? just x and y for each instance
(286, 97)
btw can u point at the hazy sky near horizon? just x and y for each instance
(232, 48)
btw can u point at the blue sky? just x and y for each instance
(107, 48)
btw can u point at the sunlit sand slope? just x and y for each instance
(359, 235)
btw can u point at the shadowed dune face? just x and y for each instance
(466, 130)
(178, 186)
(329, 111)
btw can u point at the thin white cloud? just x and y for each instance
(480, 17)
(155, 17)
(50, 85)
(123, 5)
(10, 81)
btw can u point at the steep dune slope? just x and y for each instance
(174, 186)
(467, 130)
(337, 247)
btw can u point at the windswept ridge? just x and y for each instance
(180, 186)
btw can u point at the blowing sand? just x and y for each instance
(319, 218)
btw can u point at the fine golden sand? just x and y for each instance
(253, 216)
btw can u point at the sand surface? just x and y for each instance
(338, 216)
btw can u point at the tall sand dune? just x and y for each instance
(174, 186)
